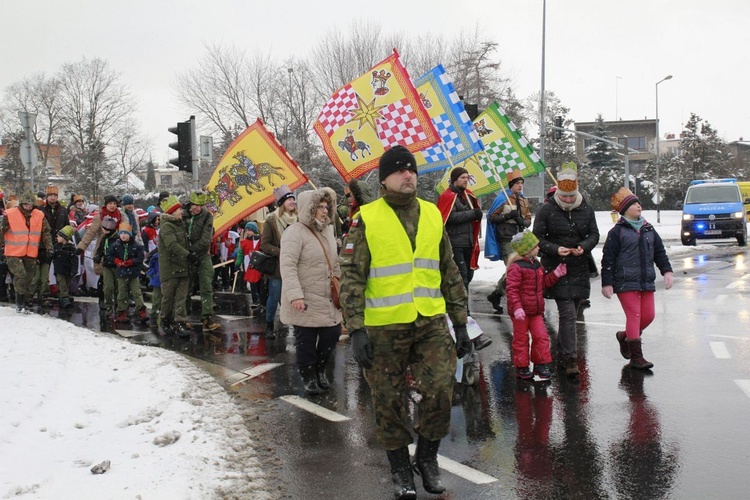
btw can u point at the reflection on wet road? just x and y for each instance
(678, 431)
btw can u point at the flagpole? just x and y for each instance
(447, 155)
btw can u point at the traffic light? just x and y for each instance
(183, 146)
(558, 123)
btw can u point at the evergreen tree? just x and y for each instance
(150, 184)
(603, 174)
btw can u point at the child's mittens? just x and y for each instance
(519, 314)
(561, 270)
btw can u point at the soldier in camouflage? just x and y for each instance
(24, 231)
(397, 284)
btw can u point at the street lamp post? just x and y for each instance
(658, 183)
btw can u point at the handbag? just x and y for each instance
(262, 262)
(335, 281)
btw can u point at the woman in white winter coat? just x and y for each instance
(306, 300)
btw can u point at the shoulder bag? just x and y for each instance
(335, 282)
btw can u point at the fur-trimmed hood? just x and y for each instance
(307, 204)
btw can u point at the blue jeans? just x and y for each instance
(274, 297)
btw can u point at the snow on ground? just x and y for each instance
(668, 229)
(71, 398)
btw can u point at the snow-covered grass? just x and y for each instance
(71, 398)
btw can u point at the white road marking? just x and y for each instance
(314, 409)
(729, 336)
(720, 350)
(253, 372)
(744, 385)
(459, 469)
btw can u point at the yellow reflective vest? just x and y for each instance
(402, 282)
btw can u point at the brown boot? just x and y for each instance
(571, 366)
(637, 360)
(624, 350)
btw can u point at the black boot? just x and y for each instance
(20, 303)
(425, 464)
(320, 373)
(494, 299)
(269, 333)
(402, 474)
(310, 380)
(636, 356)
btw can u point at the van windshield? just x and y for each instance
(713, 194)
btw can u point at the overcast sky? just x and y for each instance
(601, 56)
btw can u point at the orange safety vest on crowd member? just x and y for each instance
(22, 240)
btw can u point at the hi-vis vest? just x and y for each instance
(402, 282)
(22, 241)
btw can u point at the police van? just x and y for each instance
(714, 209)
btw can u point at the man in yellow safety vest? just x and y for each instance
(398, 281)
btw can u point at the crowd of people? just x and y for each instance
(404, 265)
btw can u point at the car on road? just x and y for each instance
(714, 209)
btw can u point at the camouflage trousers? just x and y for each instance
(202, 274)
(23, 270)
(174, 293)
(40, 281)
(430, 354)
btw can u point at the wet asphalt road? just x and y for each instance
(680, 431)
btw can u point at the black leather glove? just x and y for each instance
(97, 259)
(463, 343)
(513, 215)
(362, 348)
(192, 258)
(78, 252)
(45, 258)
(478, 213)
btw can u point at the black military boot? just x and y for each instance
(269, 333)
(320, 373)
(402, 474)
(425, 464)
(310, 380)
(494, 299)
(20, 303)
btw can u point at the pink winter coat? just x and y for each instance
(525, 284)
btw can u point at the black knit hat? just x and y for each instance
(395, 159)
(110, 198)
(456, 173)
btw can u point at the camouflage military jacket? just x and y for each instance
(355, 267)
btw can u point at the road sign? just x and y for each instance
(29, 155)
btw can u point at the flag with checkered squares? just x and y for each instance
(458, 139)
(505, 150)
(371, 114)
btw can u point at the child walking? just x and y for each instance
(65, 263)
(632, 248)
(249, 244)
(154, 281)
(127, 256)
(525, 284)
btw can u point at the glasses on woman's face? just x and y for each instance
(323, 207)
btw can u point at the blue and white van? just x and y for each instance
(714, 209)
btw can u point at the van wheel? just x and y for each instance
(689, 242)
(742, 240)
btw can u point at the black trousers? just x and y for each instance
(462, 258)
(314, 345)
